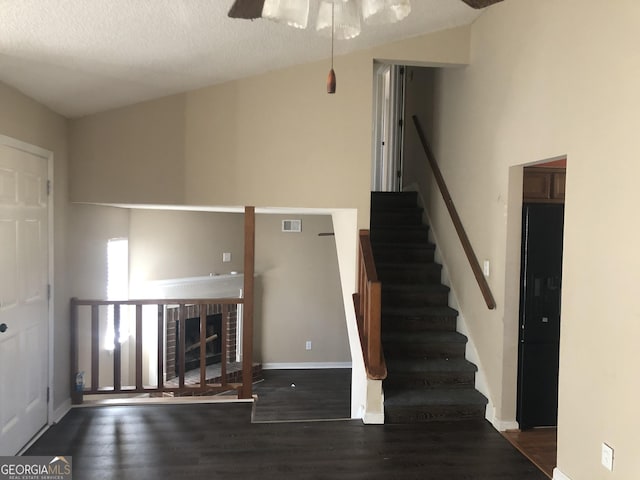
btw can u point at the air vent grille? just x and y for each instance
(292, 226)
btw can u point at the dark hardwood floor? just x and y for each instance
(219, 441)
(539, 445)
(293, 395)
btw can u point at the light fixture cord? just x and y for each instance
(333, 5)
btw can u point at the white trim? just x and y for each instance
(373, 418)
(558, 475)
(502, 425)
(60, 412)
(46, 155)
(305, 365)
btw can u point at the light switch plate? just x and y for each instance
(607, 457)
(226, 257)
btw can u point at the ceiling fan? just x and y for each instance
(252, 9)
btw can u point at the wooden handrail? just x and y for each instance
(455, 218)
(367, 303)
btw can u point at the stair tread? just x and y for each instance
(408, 265)
(429, 336)
(419, 365)
(419, 311)
(416, 397)
(407, 227)
(432, 287)
(422, 245)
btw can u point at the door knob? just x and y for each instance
(3, 328)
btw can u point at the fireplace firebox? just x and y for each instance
(192, 342)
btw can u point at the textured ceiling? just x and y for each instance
(84, 56)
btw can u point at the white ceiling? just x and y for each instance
(85, 56)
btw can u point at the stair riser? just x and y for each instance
(414, 299)
(398, 380)
(434, 414)
(379, 219)
(418, 324)
(424, 350)
(428, 274)
(400, 236)
(393, 200)
(403, 255)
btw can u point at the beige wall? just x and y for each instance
(301, 296)
(273, 140)
(130, 155)
(24, 119)
(298, 291)
(172, 244)
(550, 78)
(90, 229)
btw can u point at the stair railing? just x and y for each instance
(368, 306)
(152, 316)
(455, 218)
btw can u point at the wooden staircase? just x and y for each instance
(428, 377)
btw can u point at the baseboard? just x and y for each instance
(373, 419)
(558, 475)
(305, 365)
(503, 426)
(60, 412)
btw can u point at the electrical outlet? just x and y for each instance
(226, 257)
(307, 345)
(607, 457)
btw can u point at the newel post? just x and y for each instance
(247, 320)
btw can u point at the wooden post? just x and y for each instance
(247, 321)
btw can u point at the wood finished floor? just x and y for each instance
(219, 441)
(539, 445)
(293, 395)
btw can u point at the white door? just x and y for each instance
(23, 296)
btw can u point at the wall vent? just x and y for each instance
(292, 226)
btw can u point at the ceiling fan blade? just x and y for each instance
(480, 3)
(248, 9)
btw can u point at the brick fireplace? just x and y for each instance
(215, 317)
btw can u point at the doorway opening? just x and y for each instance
(540, 294)
(388, 121)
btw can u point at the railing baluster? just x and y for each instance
(139, 347)
(203, 345)
(161, 331)
(185, 308)
(117, 352)
(95, 347)
(182, 322)
(223, 344)
(76, 396)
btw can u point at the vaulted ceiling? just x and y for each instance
(84, 56)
